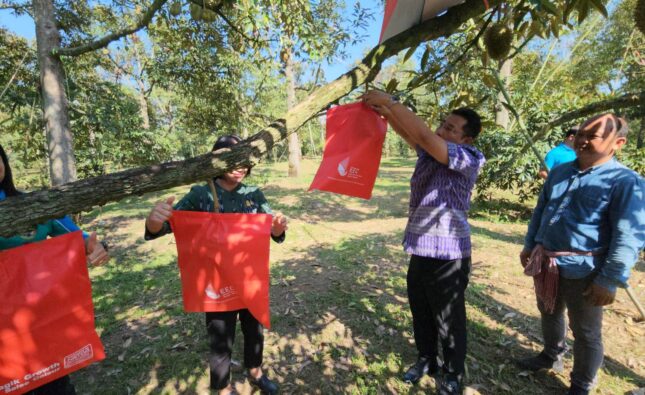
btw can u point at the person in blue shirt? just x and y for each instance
(562, 153)
(584, 237)
(96, 255)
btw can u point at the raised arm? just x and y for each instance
(408, 125)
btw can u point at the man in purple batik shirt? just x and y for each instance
(437, 235)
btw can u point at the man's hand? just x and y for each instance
(379, 101)
(598, 295)
(524, 257)
(159, 214)
(279, 225)
(96, 254)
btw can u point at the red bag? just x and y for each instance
(353, 146)
(46, 315)
(224, 261)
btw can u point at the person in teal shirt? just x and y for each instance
(96, 255)
(590, 222)
(562, 153)
(233, 197)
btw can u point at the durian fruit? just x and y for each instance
(209, 15)
(639, 15)
(498, 39)
(175, 8)
(196, 12)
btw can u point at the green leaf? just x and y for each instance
(598, 5)
(583, 10)
(549, 7)
(391, 86)
(409, 53)
(424, 57)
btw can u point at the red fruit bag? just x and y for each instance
(353, 147)
(224, 261)
(46, 314)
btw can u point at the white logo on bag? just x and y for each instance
(347, 171)
(210, 292)
(79, 356)
(224, 292)
(342, 167)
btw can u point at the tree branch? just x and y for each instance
(105, 40)
(626, 101)
(20, 214)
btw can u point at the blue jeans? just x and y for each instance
(585, 321)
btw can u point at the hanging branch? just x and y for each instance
(105, 40)
(15, 73)
(626, 101)
(520, 123)
(19, 214)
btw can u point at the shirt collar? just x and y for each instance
(609, 164)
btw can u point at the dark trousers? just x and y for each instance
(436, 294)
(585, 321)
(60, 386)
(221, 334)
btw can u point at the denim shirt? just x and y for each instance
(599, 210)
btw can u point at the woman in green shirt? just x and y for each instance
(96, 255)
(233, 197)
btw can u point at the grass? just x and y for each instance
(340, 318)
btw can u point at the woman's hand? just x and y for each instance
(279, 225)
(159, 214)
(95, 252)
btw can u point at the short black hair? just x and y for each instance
(570, 132)
(227, 141)
(7, 182)
(473, 125)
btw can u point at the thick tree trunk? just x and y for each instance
(502, 115)
(295, 151)
(62, 165)
(143, 105)
(20, 214)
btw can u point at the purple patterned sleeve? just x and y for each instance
(465, 159)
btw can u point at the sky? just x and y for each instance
(24, 26)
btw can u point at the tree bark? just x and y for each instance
(62, 165)
(20, 214)
(641, 131)
(143, 105)
(502, 116)
(295, 151)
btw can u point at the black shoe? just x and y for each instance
(575, 390)
(541, 361)
(265, 385)
(422, 367)
(449, 386)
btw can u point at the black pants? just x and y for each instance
(221, 333)
(60, 386)
(436, 294)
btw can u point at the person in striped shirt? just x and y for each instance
(437, 234)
